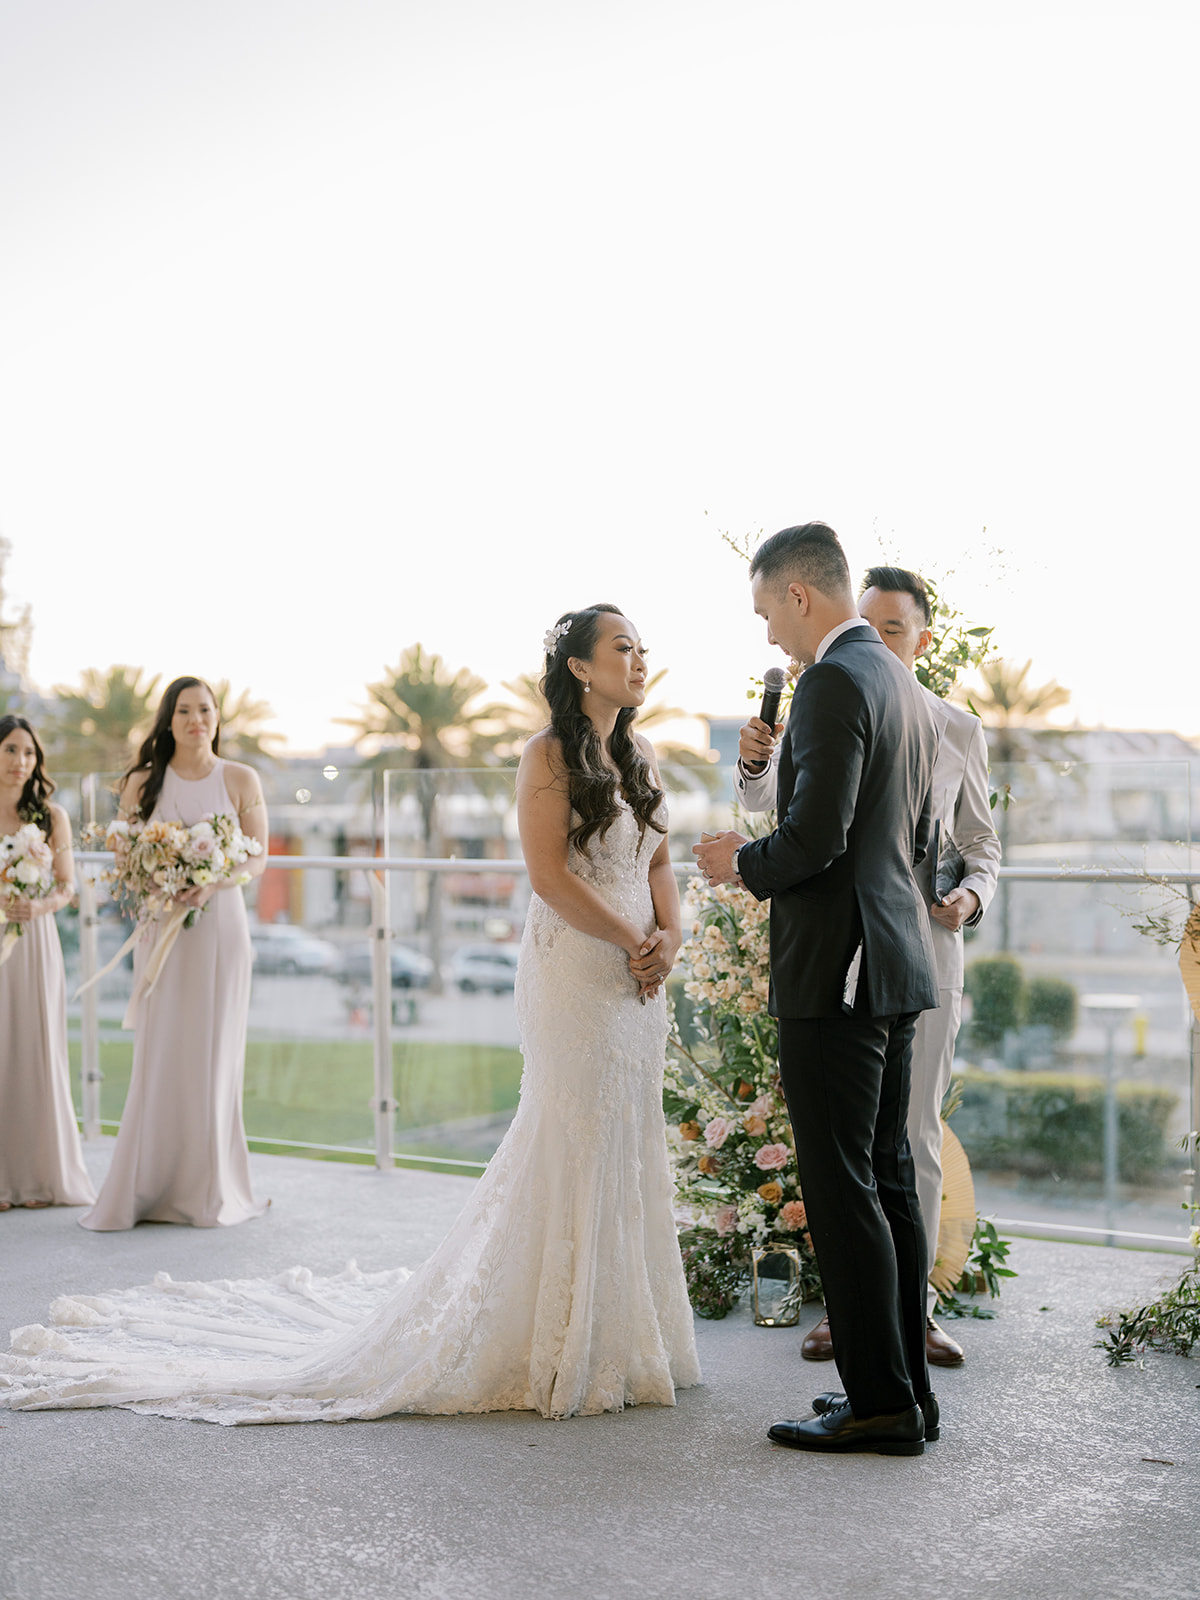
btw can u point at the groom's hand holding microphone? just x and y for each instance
(716, 854)
(756, 742)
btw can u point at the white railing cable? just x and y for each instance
(476, 864)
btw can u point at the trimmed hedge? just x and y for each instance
(1052, 1124)
(996, 986)
(1052, 1003)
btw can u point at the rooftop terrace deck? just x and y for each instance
(1039, 1486)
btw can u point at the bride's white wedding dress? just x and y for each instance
(558, 1289)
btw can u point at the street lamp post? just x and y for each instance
(1109, 1011)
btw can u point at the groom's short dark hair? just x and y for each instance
(809, 553)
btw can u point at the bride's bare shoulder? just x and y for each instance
(649, 752)
(542, 761)
(542, 749)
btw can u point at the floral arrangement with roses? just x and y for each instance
(26, 872)
(727, 1124)
(157, 860)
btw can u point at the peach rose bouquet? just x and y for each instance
(154, 863)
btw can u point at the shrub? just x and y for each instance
(996, 985)
(1052, 1123)
(1052, 1003)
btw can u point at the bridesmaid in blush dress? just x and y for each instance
(181, 1151)
(41, 1162)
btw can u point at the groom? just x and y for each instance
(851, 969)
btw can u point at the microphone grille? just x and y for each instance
(775, 678)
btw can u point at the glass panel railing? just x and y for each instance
(1075, 1019)
(1035, 1058)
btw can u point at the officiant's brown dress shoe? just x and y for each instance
(940, 1349)
(818, 1343)
(838, 1431)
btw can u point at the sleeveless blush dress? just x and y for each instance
(40, 1154)
(181, 1151)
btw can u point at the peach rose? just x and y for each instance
(709, 1164)
(717, 1131)
(689, 1130)
(771, 1192)
(771, 1157)
(725, 1220)
(754, 1125)
(793, 1216)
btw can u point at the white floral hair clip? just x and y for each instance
(553, 635)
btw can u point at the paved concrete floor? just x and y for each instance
(1039, 1487)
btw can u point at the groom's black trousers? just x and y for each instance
(846, 1080)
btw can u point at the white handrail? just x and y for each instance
(480, 865)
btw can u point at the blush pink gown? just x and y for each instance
(40, 1154)
(181, 1151)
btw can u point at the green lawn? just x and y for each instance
(319, 1092)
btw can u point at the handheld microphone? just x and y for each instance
(774, 683)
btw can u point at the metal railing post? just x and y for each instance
(382, 1102)
(1111, 1134)
(90, 1076)
(89, 1011)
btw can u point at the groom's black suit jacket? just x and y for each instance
(854, 805)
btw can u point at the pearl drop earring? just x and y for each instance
(587, 688)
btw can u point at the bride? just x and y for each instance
(560, 1287)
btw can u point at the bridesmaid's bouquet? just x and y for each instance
(157, 861)
(26, 872)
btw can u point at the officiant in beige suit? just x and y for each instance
(896, 604)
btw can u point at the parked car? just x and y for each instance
(410, 969)
(485, 966)
(282, 947)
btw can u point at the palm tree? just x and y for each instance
(97, 726)
(243, 735)
(1014, 711)
(530, 714)
(419, 715)
(1011, 707)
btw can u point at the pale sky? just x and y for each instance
(333, 325)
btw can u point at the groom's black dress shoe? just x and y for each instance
(839, 1430)
(929, 1410)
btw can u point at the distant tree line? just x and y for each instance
(422, 715)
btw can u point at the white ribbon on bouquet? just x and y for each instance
(168, 928)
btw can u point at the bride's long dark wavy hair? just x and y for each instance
(34, 804)
(591, 783)
(159, 746)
